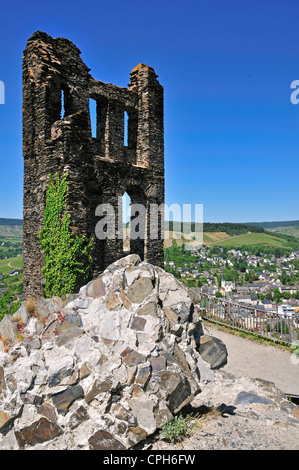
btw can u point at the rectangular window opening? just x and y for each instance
(126, 133)
(93, 117)
(62, 107)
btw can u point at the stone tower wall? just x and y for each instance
(100, 169)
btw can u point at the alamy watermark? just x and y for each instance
(294, 95)
(152, 222)
(2, 93)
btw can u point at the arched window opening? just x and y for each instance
(126, 215)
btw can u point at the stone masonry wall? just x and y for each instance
(100, 169)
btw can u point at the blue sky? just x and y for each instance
(231, 131)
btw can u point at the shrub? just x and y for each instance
(7, 306)
(30, 306)
(67, 255)
(178, 429)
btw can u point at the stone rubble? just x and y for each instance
(104, 368)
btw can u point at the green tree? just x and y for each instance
(7, 306)
(287, 295)
(277, 295)
(191, 282)
(283, 278)
(218, 294)
(251, 276)
(268, 295)
(67, 256)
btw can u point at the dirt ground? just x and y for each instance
(253, 359)
(267, 421)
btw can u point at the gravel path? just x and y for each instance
(252, 359)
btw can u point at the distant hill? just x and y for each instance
(289, 227)
(257, 239)
(235, 235)
(208, 226)
(267, 225)
(11, 221)
(286, 233)
(289, 230)
(227, 227)
(11, 227)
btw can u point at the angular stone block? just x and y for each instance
(37, 432)
(104, 440)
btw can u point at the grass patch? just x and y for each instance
(9, 264)
(31, 306)
(252, 239)
(11, 231)
(180, 428)
(190, 419)
(293, 231)
(210, 238)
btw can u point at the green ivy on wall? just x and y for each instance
(68, 257)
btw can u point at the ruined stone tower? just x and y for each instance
(100, 168)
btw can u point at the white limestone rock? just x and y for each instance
(117, 359)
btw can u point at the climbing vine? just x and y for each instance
(68, 257)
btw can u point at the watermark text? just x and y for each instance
(151, 222)
(2, 92)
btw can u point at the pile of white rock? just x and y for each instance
(104, 368)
